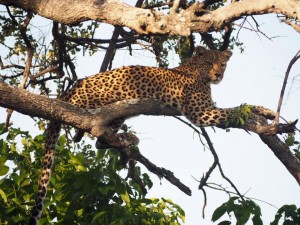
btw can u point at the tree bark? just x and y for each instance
(149, 21)
(96, 122)
(283, 153)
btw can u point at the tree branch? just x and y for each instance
(283, 153)
(95, 120)
(96, 123)
(146, 21)
(287, 73)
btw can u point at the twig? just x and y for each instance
(292, 62)
(46, 70)
(203, 181)
(216, 158)
(292, 83)
(193, 127)
(231, 192)
(30, 49)
(132, 174)
(205, 202)
(2, 66)
(160, 171)
(109, 55)
(122, 142)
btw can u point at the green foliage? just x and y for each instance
(290, 213)
(87, 186)
(294, 145)
(240, 115)
(242, 210)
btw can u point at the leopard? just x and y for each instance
(186, 88)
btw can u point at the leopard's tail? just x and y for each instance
(53, 132)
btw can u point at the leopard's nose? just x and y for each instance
(219, 75)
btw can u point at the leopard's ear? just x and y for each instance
(227, 53)
(199, 50)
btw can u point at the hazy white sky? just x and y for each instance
(254, 77)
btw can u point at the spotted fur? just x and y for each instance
(186, 88)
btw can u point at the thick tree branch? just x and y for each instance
(96, 123)
(146, 21)
(92, 122)
(283, 153)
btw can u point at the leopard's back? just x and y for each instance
(173, 87)
(129, 82)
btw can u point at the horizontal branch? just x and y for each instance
(146, 21)
(96, 123)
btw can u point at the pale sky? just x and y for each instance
(254, 77)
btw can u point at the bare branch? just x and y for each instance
(217, 162)
(30, 50)
(3, 67)
(292, 62)
(123, 141)
(160, 171)
(109, 54)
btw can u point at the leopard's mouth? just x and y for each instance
(217, 78)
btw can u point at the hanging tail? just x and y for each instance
(53, 132)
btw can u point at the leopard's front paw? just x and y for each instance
(262, 111)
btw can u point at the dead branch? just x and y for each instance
(29, 47)
(292, 62)
(216, 163)
(203, 182)
(123, 141)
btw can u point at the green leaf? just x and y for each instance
(288, 222)
(3, 170)
(98, 215)
(225, 222)
(242, 214)
(3, 195)
(126, 198)
(257, 220)
(219, 212)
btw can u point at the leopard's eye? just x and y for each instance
(210, 62)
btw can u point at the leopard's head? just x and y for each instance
(212, 63)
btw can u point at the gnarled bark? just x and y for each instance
(146, 21)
